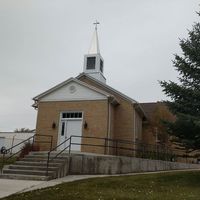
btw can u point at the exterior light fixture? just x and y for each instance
(53, 125)
(85, 125)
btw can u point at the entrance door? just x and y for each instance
(71, 124)
(74, 127)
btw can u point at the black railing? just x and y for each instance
(55, 148)
(115, 147)
(31, 140)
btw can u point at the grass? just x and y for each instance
(165, 186)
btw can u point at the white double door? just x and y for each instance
(70, 127)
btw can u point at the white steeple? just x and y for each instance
(94, 46)
(93, 62)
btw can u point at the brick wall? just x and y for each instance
(96, 116)
(94, 113)
(123, 119)
(123, 114)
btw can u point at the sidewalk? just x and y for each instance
(11, 186)
(8, 186)
(72, 178)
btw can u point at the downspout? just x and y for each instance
(134, 130)
(108, 124)
(109, 128)
(134, 125)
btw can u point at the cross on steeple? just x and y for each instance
(96, 23)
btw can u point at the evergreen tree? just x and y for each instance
(185, 95)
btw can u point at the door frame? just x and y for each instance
(68, 119)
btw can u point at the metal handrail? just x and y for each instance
(120, 141)
(23, 142)
(55, 148)
(11, 148)
(116, 147)
(117, 141)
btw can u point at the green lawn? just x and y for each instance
(170, 186)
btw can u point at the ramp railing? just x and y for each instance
(110, 146)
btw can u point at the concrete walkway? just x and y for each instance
(8, 187)
(72, 178)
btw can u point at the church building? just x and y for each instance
(86, 106)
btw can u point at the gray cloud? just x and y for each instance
(42, 43)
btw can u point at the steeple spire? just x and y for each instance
(93, 62)
(94, 46)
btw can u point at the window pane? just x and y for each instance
(80, 115)
(64, 115)
(63, 129)
(72, 115)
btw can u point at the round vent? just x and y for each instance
(72, 89)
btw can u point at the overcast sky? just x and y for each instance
(43, 42)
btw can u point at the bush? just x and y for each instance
(28, 147)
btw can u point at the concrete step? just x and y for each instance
(43, 160)
(30, 163)
(46, 153)
(46, 156)
(28, 172)
(35, 168)
(25, 177)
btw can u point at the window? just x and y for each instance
(63, 129)
(72, 115)
(101, 65)
(91, 62)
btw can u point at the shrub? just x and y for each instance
(28, 147)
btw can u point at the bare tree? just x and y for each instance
(23, 130)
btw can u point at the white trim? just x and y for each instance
(68, 100)
(59, 129)
(68, 119)
(107, 86)
(66, 82)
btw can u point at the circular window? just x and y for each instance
(72, 89)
